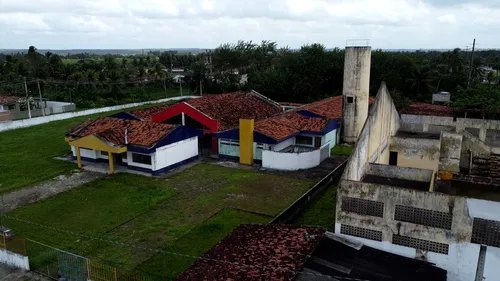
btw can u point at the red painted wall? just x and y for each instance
(212, 125)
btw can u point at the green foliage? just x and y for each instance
(342, 150)
(481, 97)
(321, 212)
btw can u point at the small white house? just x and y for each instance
(139, 145)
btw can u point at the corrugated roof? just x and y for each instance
(229, 108)
(8, 99)
(254, 247)
(112, 130)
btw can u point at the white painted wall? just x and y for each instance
(11, 125)
(331, 137)
(284, 144)
(461, 261)
(176, 152)
(84, 152)
(290, 161)
(492, 264)
(14, 260)
(488, 210)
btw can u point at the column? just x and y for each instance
(111, 163)
(482, 134)
(78, 156)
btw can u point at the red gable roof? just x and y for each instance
(329, 107)
(229, 108)
(112, 130)
(8, 99)
(256, 252)
(289, 123)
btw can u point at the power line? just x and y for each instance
(180, 254)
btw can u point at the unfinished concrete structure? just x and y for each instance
(355, 91)
(425, 187)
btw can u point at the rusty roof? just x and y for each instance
(229, 108)
(284, 125)
(8, 99)
(263, 252)
(112, 130)
(420, 108)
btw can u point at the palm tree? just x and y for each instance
(420, 80)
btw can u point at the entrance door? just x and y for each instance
(317, 142)
(393, 158)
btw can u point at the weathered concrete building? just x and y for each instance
(425, 187)
(355, 91)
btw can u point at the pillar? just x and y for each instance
(78, 157)
(183, 119)
(482, 134)
(111, 163)
(246, 141)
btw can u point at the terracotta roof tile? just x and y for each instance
(284, 125)
(146, 113)
(229, 108)
(291, 104)
(8, 99)
(420, 108)
(112, 130)
(329, 107)
(278, 248)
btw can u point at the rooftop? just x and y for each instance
(396, 182)
(284, 125)
(146, 113)
(428, 109)
(330, 108)
(262, 252)
(229, 108)
(418, 135)
(8, 99)
(112, 130)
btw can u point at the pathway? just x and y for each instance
(12, 274)
(47, 189)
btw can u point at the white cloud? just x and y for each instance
(208, 23)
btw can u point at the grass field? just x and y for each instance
(322, 211)
(342, 150)
(27, 154)
(187, 213)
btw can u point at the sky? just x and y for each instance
(137, 24)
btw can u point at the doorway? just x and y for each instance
(393, 158)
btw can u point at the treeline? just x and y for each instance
(307, 74)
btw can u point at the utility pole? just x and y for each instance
(180, 80)
(471, 63)
(27, 98)
(165, 85)
(40, 94)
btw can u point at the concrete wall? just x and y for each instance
(14, 260)
(87, 153)
(492, 264)
(331, 138)
(5, 126)
(372, 144)
(407, 173)
(451, 148)
(290, 161)
(174, 153)
(416, 152)
(356, 88)
(284, 144)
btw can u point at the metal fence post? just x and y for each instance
(89, 273)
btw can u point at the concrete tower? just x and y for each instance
(355, 91)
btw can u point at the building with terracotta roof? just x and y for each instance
(285, 253)
(300, 138)
(139, 145)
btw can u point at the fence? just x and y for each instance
(300, 204)
(51, 262)
(13, 244)
(11, 125)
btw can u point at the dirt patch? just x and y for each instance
(47, 189)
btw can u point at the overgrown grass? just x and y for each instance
(342, 150)
(27, 154)
(322, 211)
(181, 213)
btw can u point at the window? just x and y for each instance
(11, 107)
(420, 244)
(350, 99)
(361, 232)
(304, 140)
(423, 217)
(124, 155)
(230, 142)
(486, 232)
(104, 153)
(363, 206)
(260, 145)
(141, 158)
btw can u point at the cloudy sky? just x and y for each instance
(66, 24)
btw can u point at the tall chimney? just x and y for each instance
(355, 91)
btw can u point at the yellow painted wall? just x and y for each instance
(246, 141)
(92, 142)
(416, 161)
